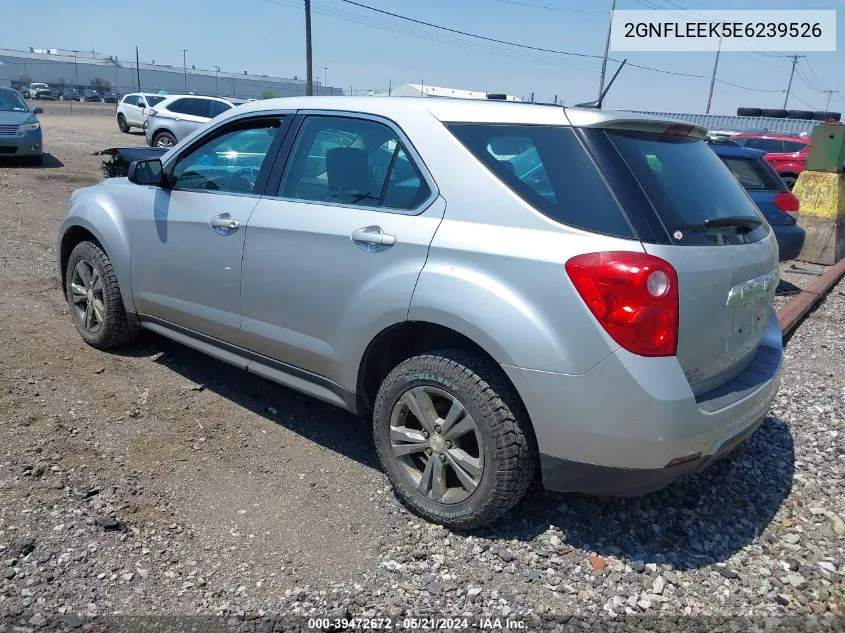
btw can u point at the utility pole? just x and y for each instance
(606, 47)
(185, 66)
(138, 68)
(309, 78)
(216, 72)
(713, 78)
(830, 93)
(325, 79)
(795, 59)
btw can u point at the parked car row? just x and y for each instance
(43, 92)
(508, 290)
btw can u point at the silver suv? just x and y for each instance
(508, 290)
(176, 117)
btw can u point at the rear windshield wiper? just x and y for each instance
(735, 221)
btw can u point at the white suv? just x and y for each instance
(133, 109)
(177, 116)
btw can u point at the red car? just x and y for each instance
(786, 154)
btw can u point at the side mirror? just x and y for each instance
(38, 110)
(146, 172)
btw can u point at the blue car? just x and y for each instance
(20, 131)
(771, 195)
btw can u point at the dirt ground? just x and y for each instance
(156, 480)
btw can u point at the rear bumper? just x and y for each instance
(567, 476)
(790, 241)
(615, 429)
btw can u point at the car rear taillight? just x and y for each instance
(633, 295)
(153, 112)
(788, 203)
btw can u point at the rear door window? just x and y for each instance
(191, 107)
(793, 146)
(549, 168)
(687, 184)
(768, 145)
(153, 100)
(754, 174)
(218, 107)
(352, 161)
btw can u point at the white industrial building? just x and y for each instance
(62, 67)
(424, 90)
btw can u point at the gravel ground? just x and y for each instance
(155, 481)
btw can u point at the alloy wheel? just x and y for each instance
(437, 444)
(86, 296)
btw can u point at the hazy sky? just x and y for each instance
(365, 50)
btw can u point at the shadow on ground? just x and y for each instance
(787, 288)
(49, 162)
(695, 522)
(328, 426)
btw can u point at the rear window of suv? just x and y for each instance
(686, 184)
(549, 168)
(754, 174)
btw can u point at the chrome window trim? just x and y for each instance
(412, 152)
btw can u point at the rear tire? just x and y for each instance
(121, 124)
(471, 468)
(94, 298)
(789, 180)
(164, 139)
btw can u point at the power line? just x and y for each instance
(348, 16)
(804, 102)
(465, 34)
(546, 50)
(393, 27)
(561, 9)
(806, 81)
(813, 73)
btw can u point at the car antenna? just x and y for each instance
(600, 100)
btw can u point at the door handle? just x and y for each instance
(372, 236)
(224, 224)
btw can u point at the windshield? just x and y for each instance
(11, 102)
(687, 185)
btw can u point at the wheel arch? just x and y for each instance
(101, 227)
(160, 131)
(401, 341)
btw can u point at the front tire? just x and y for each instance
(454, 439)
(121, 124)
(789, 180)
(94, 298)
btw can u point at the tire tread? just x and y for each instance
(516, 454)
(119, 329)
